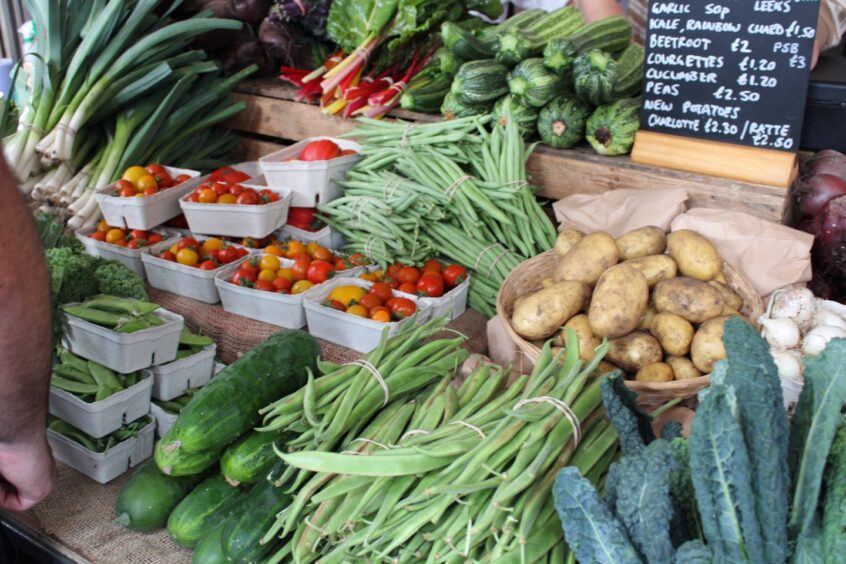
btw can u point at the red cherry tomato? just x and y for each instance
(319, 271)
(382, 290)
(139, 234)
(335, 304)
(394, 269)
(454, 275)
(358, 259)
(128, 192)
(430, 285)
(214, 255)
(154, 239)
(98, 236)
(408, 287)
(408, 274)
(321, 150)
(300, 268)
(120, 243)
(194, 198)
(133, 244)
(251, 265)
(369, 301)
(265, 286)
(249, 199)
(208, 265)
(403, 307)
(228, 254)
(167, 255)
(180, 179)
(432, 265)
(220, 188)
(244, 278)
(188, 243)
(268, 196)
(282, 284)
(243, 252)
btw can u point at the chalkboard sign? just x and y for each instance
(734, 71)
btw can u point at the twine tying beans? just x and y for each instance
(375, 372)
(560, 406)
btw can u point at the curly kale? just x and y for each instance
(72, 274)
(115, 279)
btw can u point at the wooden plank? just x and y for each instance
(252, 149)
(286, 119)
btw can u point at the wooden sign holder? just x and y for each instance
(750, 164)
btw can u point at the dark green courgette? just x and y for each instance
(562, 122)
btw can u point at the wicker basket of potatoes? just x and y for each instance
(661, 301)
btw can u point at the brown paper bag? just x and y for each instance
(770, 255)
(620, 211)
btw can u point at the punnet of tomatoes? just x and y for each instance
(379, 302)
(140, 181)
(298, 250)
(222, 192)
(208, 254)
(323, 150)
(432, 280)
(128, 238)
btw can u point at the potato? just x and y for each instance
(540, 315)
(655, 268)
(642, 243)
(566, 239)
(694, 300)
(733, 301)
(634, 351)
(588, 259)
(707, 347)
(657, 372)
(673, 332)
(547, 282)
(647, 318)
(606, 367)
(618, 302)
(696, 256)
(587, 340)
(721, 277)
(683, 368)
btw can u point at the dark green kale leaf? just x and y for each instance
(633, 426)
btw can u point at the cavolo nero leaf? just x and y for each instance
(812, 431)
(754, 377)
(633, 426)
(590, 528)
(809, 548)
(643, 501)
(693, 552)
(720, 467)
(683, 495)
(834, 506)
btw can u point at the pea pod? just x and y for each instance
(67, 371)
(104, 377)
(117, 305)
(189, 339)
(97, 316)
(67, 358)
(73, 386)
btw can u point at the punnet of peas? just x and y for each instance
(447, 473)
(457, 189)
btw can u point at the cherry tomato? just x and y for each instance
(432, 265)
(431, 285)
(293, 248)
(370, 301)
(208, 196)
(454, 275)
(273, 250)
(188, 257)
(408, 287)
(154, 239)
(161, 175)
(319, 271)
(382, 290)
(301, 286)
(281, 283)
(347, 152)
(242, 252)
(228, 254)
(268, 196)
(269, 262)
(244, 278)
(287, 274)
(103, 227)
(133, 244)
(394, 269)
(213, 254)
(392, 282)
(98, 236)
(227, 199)
(321, 150)
(382, 315)
(358, 259)
(236, 190)
(167, 255)
(335, 304)
(408, 274)
(322, 253)
(403, 307)
(369, 276)
(358, 311)
(220, 188)
(180, 179)
(154, 169)
(194, 198)
(269, 275)
(249, 199)
(300, 268)
(128, 192)
(208, 265)
(145, 182)
(340, 264)
(188, 243)
(114, 235)
(120, 242)
(265, 286)
(251, 265)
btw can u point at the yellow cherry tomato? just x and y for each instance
(133, 173)
(269, 262)
(347, 294)
(211, 244)
(114, 235)
(226, 199)
(273, 250)
(267, 274)
(188, 257)
(146, 182)
(301, 286)
(287, 274)
(358, 310)
(379, 274)
(103, 227)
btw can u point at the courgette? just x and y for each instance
(250, 458)
(256, 513)
(426, 92)
(533, 84)
(595, 75)
(629, 72)
(228, 406)
(445, 61)
(147, 498)
(515, 45)
(453, 109)
(463, 44)
(562, 122)
(480, 82)
(611, 129)
(209, 549)
(518, 21)
(509, 107)
(611, 34)
(204, 508)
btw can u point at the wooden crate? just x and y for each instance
(273, 115)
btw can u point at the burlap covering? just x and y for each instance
(78, 514)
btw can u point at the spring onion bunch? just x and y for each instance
(459, 474)
(456, 189)
(112, 84)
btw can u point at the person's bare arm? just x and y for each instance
(26, 466)
(598, 9)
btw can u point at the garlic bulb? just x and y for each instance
(834, 307)
(780, 333)
(797, 304)
(789, 364)
(825, 317)
(818, 337)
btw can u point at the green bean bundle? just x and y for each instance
(458, 475)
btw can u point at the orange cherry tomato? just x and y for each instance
(301, 287)
(227, 199)
(294, 248)
(208, 196)
(382, 315)
(115, 235)
(287, 274)
(273, 250)
(103, 227)
(322, 253)
(188, 257)
(145, 182)
(358, 311)
(370, 277)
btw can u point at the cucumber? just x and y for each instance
(453, 109)
(562, 122)
(629, 72)
(255, 515)
(611, 34)
(463, 44)
(228, 406)
(147, 498)
(176, 462)
(249, 459)
(204, 508)
(611, 129)
(480, 82)
(509, 107)
(209, 549)
(515, 45)
(595, 75)
(533, 84)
